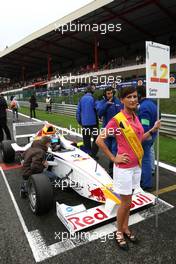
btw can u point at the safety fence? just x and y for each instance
(168, 122)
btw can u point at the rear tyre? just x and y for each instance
(40, 193)
(8, 153)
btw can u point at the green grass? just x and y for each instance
(57, 119)
(167, 150)
(167, 144)
(168, 106)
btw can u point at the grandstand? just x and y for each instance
(41, 61)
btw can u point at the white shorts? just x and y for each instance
(125, 180)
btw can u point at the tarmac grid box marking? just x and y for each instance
(42, 252)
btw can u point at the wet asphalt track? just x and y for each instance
(157, 244)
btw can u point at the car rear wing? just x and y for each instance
(25, 124)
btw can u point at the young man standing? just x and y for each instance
(106, 109)
(3, 119)
(86, 116)
(147, 113)
(48, 104)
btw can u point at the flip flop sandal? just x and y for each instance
(121, 241)
(131, 237)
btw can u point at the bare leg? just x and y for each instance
(122, 220)
(123, 212)
(125, 223)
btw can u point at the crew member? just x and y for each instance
(3, 119)
(33, 105)
(48, 104)
(34, 161)
(106, 109)
(86, 116)
(147, 113)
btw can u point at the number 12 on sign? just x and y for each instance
(164, 72)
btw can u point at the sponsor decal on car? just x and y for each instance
(69, 209)
(84, 220)
(98, 214)
(78, 157)
(97, 193)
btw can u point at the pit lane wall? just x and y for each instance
(168, 121)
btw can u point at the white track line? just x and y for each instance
(166, 166)
(27, 233)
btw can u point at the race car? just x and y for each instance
(76, 169)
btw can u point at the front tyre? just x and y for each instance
(8, 153)
(40, 193)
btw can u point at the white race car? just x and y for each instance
(76, 169)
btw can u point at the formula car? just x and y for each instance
(76, 169)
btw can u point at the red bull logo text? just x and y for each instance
(94, 218)
(140, 200)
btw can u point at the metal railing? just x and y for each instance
(168, 122)
(63, 109)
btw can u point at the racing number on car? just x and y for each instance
(163, 78)
(76, 156)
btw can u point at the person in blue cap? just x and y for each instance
(106, 109)
(147, 113)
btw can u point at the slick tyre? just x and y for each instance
(40, 193)
(8, 153)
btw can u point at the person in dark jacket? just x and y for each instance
(86, 116)
(109, 106)
(3, 119)
(106, 109)
(34, 161)
(147, 113)
(33, 105)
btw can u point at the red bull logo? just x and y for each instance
(97, 194)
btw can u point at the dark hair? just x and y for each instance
(90, 89)
(107, 89)
(141, 90)
(126, 91)
(44, 140)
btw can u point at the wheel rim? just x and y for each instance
(32, 196)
